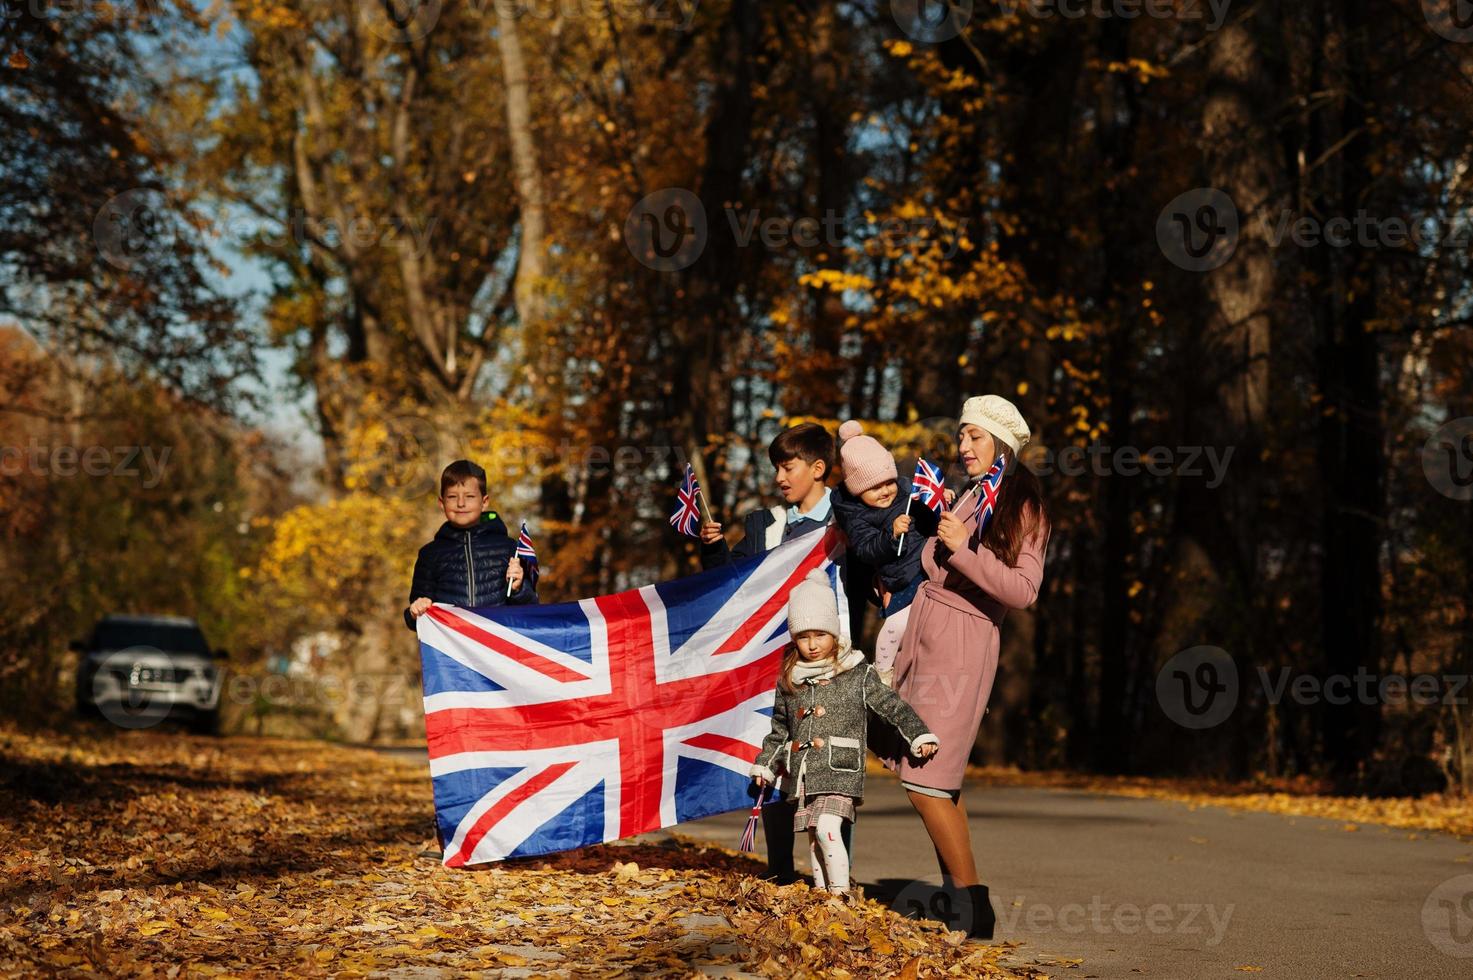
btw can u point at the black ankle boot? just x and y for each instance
(984, 919)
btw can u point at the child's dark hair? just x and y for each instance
(807, 441)
(1020, 511)
(460, 471)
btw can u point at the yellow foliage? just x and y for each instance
(334, 559)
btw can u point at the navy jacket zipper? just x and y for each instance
(470, 571)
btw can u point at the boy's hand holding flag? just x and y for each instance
(528, 555)
(687, 516)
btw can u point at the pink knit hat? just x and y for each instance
(866, 463)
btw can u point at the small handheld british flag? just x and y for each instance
(928, 486)
(687, 516)
(988, 490)
(525, 550)
(528, 554)
(748, 843)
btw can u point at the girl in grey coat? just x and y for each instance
(820, 715)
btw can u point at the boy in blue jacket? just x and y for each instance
(472, 558)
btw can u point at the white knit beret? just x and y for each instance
(998, 416)
(812, 605)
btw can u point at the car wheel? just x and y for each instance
(205, 723)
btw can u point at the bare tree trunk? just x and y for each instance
(831, 107)
(373, 663)
(1003, 736)
(1240, 163)
(555, 501)
(532, 256)
(707, 313)
(1118, 654)
(1350, 452)
(1208, 583)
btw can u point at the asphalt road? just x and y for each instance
(1149, 888)
(1136, 888)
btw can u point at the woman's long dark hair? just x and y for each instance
(1020, 511)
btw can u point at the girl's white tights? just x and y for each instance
(827, 855)
(887, 644)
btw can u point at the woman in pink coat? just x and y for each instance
(948, 656)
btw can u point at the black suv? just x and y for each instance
(137, 671)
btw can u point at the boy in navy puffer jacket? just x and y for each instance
(472, 558)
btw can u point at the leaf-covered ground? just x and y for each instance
(1300, 798)
(160, 854)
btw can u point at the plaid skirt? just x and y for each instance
(816, 806)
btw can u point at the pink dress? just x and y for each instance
(948, 657)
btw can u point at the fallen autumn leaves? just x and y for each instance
(155, 853)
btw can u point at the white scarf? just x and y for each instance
(813, 671)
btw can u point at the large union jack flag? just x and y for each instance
(554, 727)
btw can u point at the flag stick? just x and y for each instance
(749, 835)
(508, 567)
(956, 505)
(701, 498)
(901, 546)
